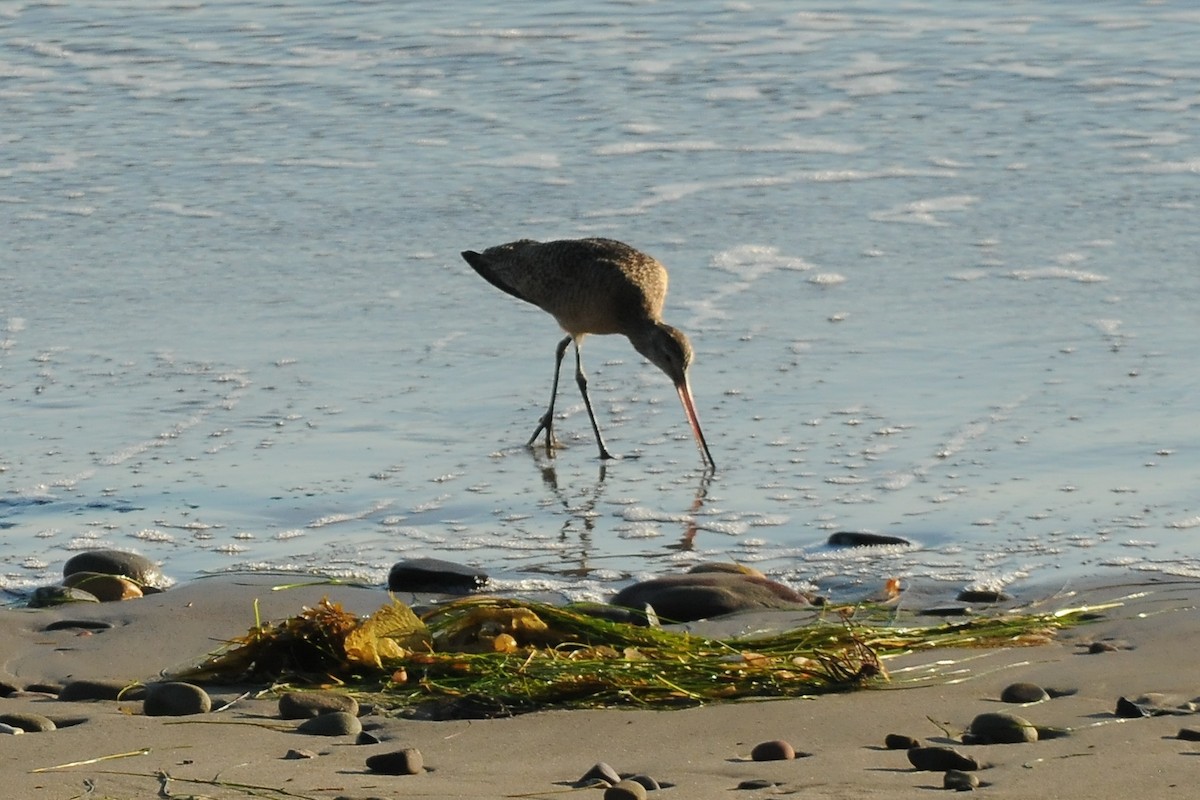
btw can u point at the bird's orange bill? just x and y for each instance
(689, 408)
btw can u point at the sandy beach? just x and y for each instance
(695, 753)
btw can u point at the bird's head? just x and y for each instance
(669, 349)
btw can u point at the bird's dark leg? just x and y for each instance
(547, 421)
(581, 379)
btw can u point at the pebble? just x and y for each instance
(10, 730)
(50, 596)
(399, 762)
(335, 723)
(757, 783)
(936, 758)
(646, 781)
(175, 699)
(960, 781)
(1127, 709)
(600, 771)
(303, 705)
(367, 738)
(1102, 647)
(625, 790)
(774, 750)
(704, 595)
(1023, 693)
(982, 596)
(30, 723)
(1189, 734)
(898, 741)
(294, 755)
(101, 690)
(105, 588)
(434, 575)
(864, 539)
(1000, 727)
(117, 562)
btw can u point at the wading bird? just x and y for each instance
(596, 286)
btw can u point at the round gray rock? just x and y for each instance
(599, 772)
(1023, 693)
(774, 750)
(999, 727)
(398, 762)
(175, 699)
(302, 705)
(117, 562)
(335, 723)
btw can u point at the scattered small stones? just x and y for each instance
(434, 575)
(303, 705)
(335, 723)
(960, 781)
(138, 568)
(988, 596)
(1189, 734)
(295, 755)
(1023, 693)
(625, 790)
(935, 758)
(864, 539)
(774, 750)
(398, 762)
(999, 727)
(30, 723)
(101, 690)
(599, 772)
(175, 699)
(898, 741)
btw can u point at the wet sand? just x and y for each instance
(699, 752)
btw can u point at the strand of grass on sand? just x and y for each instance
(145, 751)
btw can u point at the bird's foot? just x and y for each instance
(546, 423)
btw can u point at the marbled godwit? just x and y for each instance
(594, 286)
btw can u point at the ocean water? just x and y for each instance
(938, 261)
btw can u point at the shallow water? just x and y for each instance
(938, 263)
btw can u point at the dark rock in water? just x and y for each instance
(625, 790)
(175, 699)
(999, 727)
(333, 723)
(302, 705)
(898, 741)
(774, 750)
(940, 759)
(30, 723)
(960, 781)
(1128, 709)
(398, 762)
(693, 596)
(864, 539)
(295, 755)
(982, 596)
(101, 690)
(79, 624)
(599, 772)
(646, 781)
(50, 596)
(434, 575)
(1023, 693)
(117, 562)
(1189, 734)
(106, 588)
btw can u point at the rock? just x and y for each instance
(725, 566)
(864, 539)
(334, 723)
(137, 568)
(982, 596)
(30, 723)
(897, 741)
(1058, 692)
(50, 596)
(999, 727)
(296, 755)
(960, 781)
(399, 762)
(625, 790)
(303, 705)
(935, 758)
(367, 738)
(434, 575)
(774, 750)
(101, 690)
(600, 771)
(1102, 647)
(1189, 734)
(106, 588)
(175, 699)
(1047, 732)
(647, 782)
(693, 596)
(627, 616)
(757, 783)
(10, 730)
(1128, 709)
(1023, 693)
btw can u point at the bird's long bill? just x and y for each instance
(689, 408)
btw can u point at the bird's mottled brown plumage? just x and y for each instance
(599, 286)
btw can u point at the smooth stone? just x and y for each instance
(625, 790)
(399, 762)
(600, 771)
(367, 738)
(725, 566)
(303, 705)
(1048, 732)
(757, 783)
(10, 730)
(982, 596)
(649, 783)
(694, 596)
(101, 690)
(1127, 709)
(960, 781)
(999, 727)
(864, 539)
(898, 741)
(106, 588)
(30, 723)
(175, 699)
(117, 562)
(50, 596)
(1189, 734)
(434, 575)
(1023, 693)
(774, 750)
(296, 755)
(335, 723)
(936, 758)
